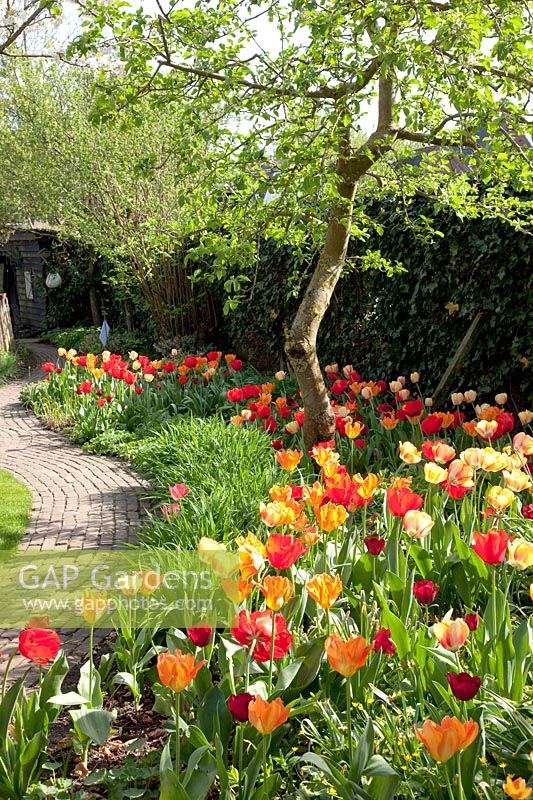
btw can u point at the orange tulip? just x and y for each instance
(402, 483)
(177, 671)
(346, 657)
(389, 422)
(324, 589)
(322, 454)
(252, 554)
(516, 788)
(409, 453)
(310, 536)
(330, 516)
(366, 487)
(520, 554)
(451, 634)
(444, 740)
(353, 429)
(281, 493)
(470, 427)
(314, 494)
(499, 498)
(472, 457)
(277, 591)
(279, 513)
(417, 524)
(289, 459)
(265, 716)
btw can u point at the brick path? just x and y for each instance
(79, 500)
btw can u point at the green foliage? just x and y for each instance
(9, 366)
(388, 324)
(14, 509)
(227, 468)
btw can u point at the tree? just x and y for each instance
(451, 77)
(118, 195)
(20, 17)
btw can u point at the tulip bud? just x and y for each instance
(428, 402)
(501, 399)
(415, 377)
(404, 394)
(395, 386)
(280, 375)
(246, 414)
(457, 398)
(470, 396)
(366, 393)
(292, 427)
(173, 352)
(401, 379)
(342, 412)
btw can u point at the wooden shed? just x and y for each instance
(22, 277)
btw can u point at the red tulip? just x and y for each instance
(491, 546)
(402, 500)
(463, 685)
(178, 491)
(425, 592)
(527, 511)
(39, 645)
(383, 642)
(472, 620)
(374, 545)
(235, 395)
(431, 424)
(254, 630)
(236, 364)
(238, 705)
(200, 637)
(283, 550)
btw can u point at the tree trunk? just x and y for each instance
(300, 344)
(128, 311)
(93, 299)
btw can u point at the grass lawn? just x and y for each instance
(14, 509)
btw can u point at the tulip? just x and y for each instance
(491, 546)
(492, 460)
(178, 491)
(516, 788)
(253, 629)
(252, 554)
(265, 716)
(277, 591)
(400, 501)
(346, 657)
(438, 451)
(499, 498)
(415, 377)
(200, 637)
(330, 516)
(525, 417)
(463, 685)
(94, 606)
(353, 429)
(444, 740)
(382, 641)
(501, 399)
(472, 620)
(374, 545)
(516, 480)
(428, 402)
(177, 671)
(410, 453)
(284, 550)
(451, 634)
(324, 589)
(289, 459)
(435, 474)
(425, 592)
(417, 524)
(486, 428)
(39, 645)
(280, 375)
(527, 511)
(238, 705)
(520, 554)
(470, 396)
(457, 398)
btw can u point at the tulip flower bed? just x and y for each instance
(383, 642)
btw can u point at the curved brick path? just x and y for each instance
(79, 500)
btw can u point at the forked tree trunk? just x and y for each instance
(300, 344)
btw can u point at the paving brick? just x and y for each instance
(80, 501)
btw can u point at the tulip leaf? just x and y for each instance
(93, 722)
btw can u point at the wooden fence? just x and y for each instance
(6, 330)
